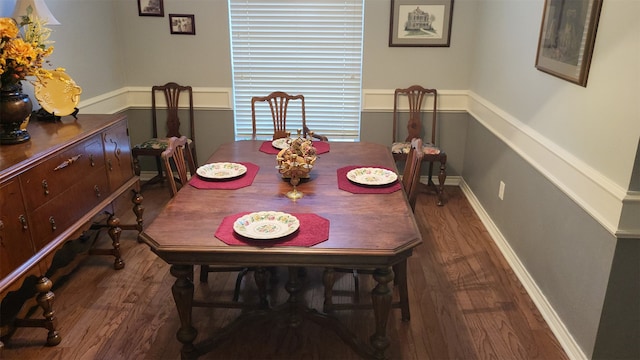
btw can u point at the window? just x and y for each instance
(313, 48)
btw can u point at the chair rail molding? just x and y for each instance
(611, 205)
(140, 98)
(382, 100)
(590, 189)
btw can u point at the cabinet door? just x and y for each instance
(118, 155)
(15, 237)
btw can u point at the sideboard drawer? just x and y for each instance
(55, 216)
(58, 173)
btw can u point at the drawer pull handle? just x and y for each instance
(45, 186)
(23, 221)
(67, 162)
(52, 221)
(97, 191)
(91, 162)
(110, 166)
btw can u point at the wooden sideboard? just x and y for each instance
(52, 189)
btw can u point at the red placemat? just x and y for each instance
(313, 230)
(346, 185)
(242, 181)
(321, 147)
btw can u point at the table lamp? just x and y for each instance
(39, 10)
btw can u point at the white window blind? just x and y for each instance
(308, 47)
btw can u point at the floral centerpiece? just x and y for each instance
(24, 48)
(296, 161)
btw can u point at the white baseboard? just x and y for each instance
(556, 325)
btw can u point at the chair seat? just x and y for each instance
(404, 147)
(155, 144)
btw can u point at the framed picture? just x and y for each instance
(151, 8)
(420, 23)
(182, 24)
(567, 37)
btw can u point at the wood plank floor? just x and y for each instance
(466, 303)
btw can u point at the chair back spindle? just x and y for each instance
(279, 105)
(174, 157)
(416, 96)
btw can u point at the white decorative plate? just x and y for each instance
(372, 176)
(282, 143)
(266, 225)
(221, 170)
(58, 96)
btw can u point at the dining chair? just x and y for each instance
(158, 144)
(174, 158)
(279, 105)
(410, 185)
(416, 96)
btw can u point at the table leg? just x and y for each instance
(260, 276)
(381, 298)
(182, 291)
(400, 280)
(113, 223)
(138, 210)
(114, 234)
(45, 300)
(294, 287)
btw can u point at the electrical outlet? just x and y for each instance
(501, 190)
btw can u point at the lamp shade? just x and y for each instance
(39, 10)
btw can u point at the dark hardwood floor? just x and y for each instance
(466, 303)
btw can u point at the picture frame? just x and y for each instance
(567, 38)
(416, 23)
(182, 24)
(151, 8)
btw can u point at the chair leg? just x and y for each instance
(136, 165)
(430, 178)
(159, 177)
(204, 273)
(356, 286)
(236, 291)
(328, 279)
(192, 160)
(442, 176)
(400, 278)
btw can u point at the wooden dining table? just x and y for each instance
(366, 231)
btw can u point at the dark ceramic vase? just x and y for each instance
(15, 111)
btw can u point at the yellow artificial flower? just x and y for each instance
(23, 49)
(8, 28)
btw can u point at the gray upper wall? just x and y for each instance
(599, 124)
(492, 53)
